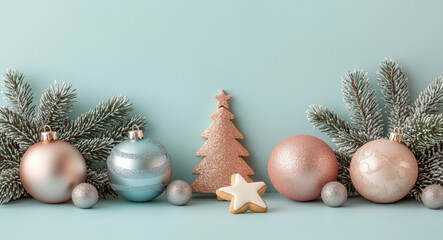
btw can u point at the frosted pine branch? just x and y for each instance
(429, 101)
(10, 153)
(422, 125)
(347, 139)
(55, 104)
(349, 142)
(343, 172)
(17, 93)
(432, 158)
(99, 179)
(104, 115)
(430, 169)
(7, 164)
(120, 132)
(10, 185)
(393, 84)
(95, 150)
(361, 103)
(14, 126)
(94, 133)
(424, 132)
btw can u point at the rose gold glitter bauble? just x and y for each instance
(383, 171)
(300, 166)
(50, 169)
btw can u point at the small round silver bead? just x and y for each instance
(84, 195)
(334, 194)
(179, 192)
(432, 196)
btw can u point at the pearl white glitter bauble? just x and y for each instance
(383, 171)
(51, 168)
(334, 194)
(179, 192)
(432, 196)
(139, 169)
(84, 195)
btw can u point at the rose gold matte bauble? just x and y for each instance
(300, 166)
(383, 171)
(50, 169)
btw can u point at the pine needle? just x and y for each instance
(429, 101)
(55, 104)
(11, 187)
(18, 93)
(393, 84)
(360, 99)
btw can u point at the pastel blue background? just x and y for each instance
(170, 57)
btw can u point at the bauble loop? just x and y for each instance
(396, 135)
(334, 194)
(300, 166)
(84, 195)
(48, 135)
(179, 192)
(135, 134)
(432, 196)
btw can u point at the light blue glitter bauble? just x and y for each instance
(139, 169)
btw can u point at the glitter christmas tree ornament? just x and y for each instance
(139, 169)
(51, 168)
(223, 153)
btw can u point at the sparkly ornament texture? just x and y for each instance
(334, 194)
(139, 169)
(383, 171)
(223, 153)
(179, 192)
(51, 168)
(300, 166)
(432, 196)
(84, 195)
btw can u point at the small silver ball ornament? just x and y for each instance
(334, 194)
(84, 195)
(432, 196)
(179, 192)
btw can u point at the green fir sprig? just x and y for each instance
(94, 133)
(421, 122)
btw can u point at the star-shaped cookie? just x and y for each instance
(244, 196)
